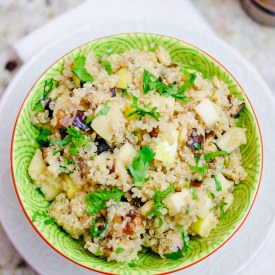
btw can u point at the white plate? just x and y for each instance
(232, 257)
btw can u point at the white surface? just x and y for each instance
(230, 259)
(108, 11)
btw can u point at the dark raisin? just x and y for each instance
(230, 97)
(113, 169)
(210, 134)
(79, 120)
(239, 109)
(195, 141)
(46, 104)
(102, 146)
(137, 202)
(195, 183)
(173, 65)
(11, 65)
(113, 92)
(63, 132)
(154, 133)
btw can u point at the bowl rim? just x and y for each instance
(259, 134)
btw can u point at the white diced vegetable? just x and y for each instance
(224, 183)
(164, 104)
(204, 205)
(50, 191)
(229, 200)
(204, 226)
(232, 139)
(163, 56)
(123, 76)
(69, 187)
(208, 112)
(37, 165)
(102, 126)
(165, 151)
(144, 209)
(177, 201)
(126, 154)
(50, 185)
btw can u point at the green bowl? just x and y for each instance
(23, 148)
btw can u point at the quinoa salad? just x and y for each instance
(136, 153)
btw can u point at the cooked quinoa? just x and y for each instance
(136, 152)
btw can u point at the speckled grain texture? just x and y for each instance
(18, 17)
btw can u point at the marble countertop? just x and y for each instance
(19, 17)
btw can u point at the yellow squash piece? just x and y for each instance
(123, 76)
(50, 186)
(69, 187)
(204, 226)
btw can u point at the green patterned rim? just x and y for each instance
(23, 147)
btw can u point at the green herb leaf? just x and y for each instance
(210, 156)
(108, 66)
(97, 200)
(174, 255)
(103, 112)
(187, 84)
(158, 203)
(193, 192)
(48, 86)
(142, 112)
(119, 250)
(57, 151)
(42, 216)
(150, 82)
(218, 184)
(74, 138)
(185, 239)
(62, 143)
(222, 205)
(200, 169)
(140, 165)
(43, 137)
(38, 107)
(80, 71)
(95, 232)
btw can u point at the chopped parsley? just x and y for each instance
(42, 216)
(43, 137)
(96, 230)
(38, 107)
(187, 84)
(218, 184)
(185, 239)
(119, 250)
(140, 165)
(102, 112)
(158, 204)
(80, 71)
(222, 205)
(150, 82)
(179, 253)
(142, 112)
(210, 156)
(199, 169)
(174, 255)
(193, 193)
(107, 65)
(48, 86)
(97, 200)
(75, 140)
